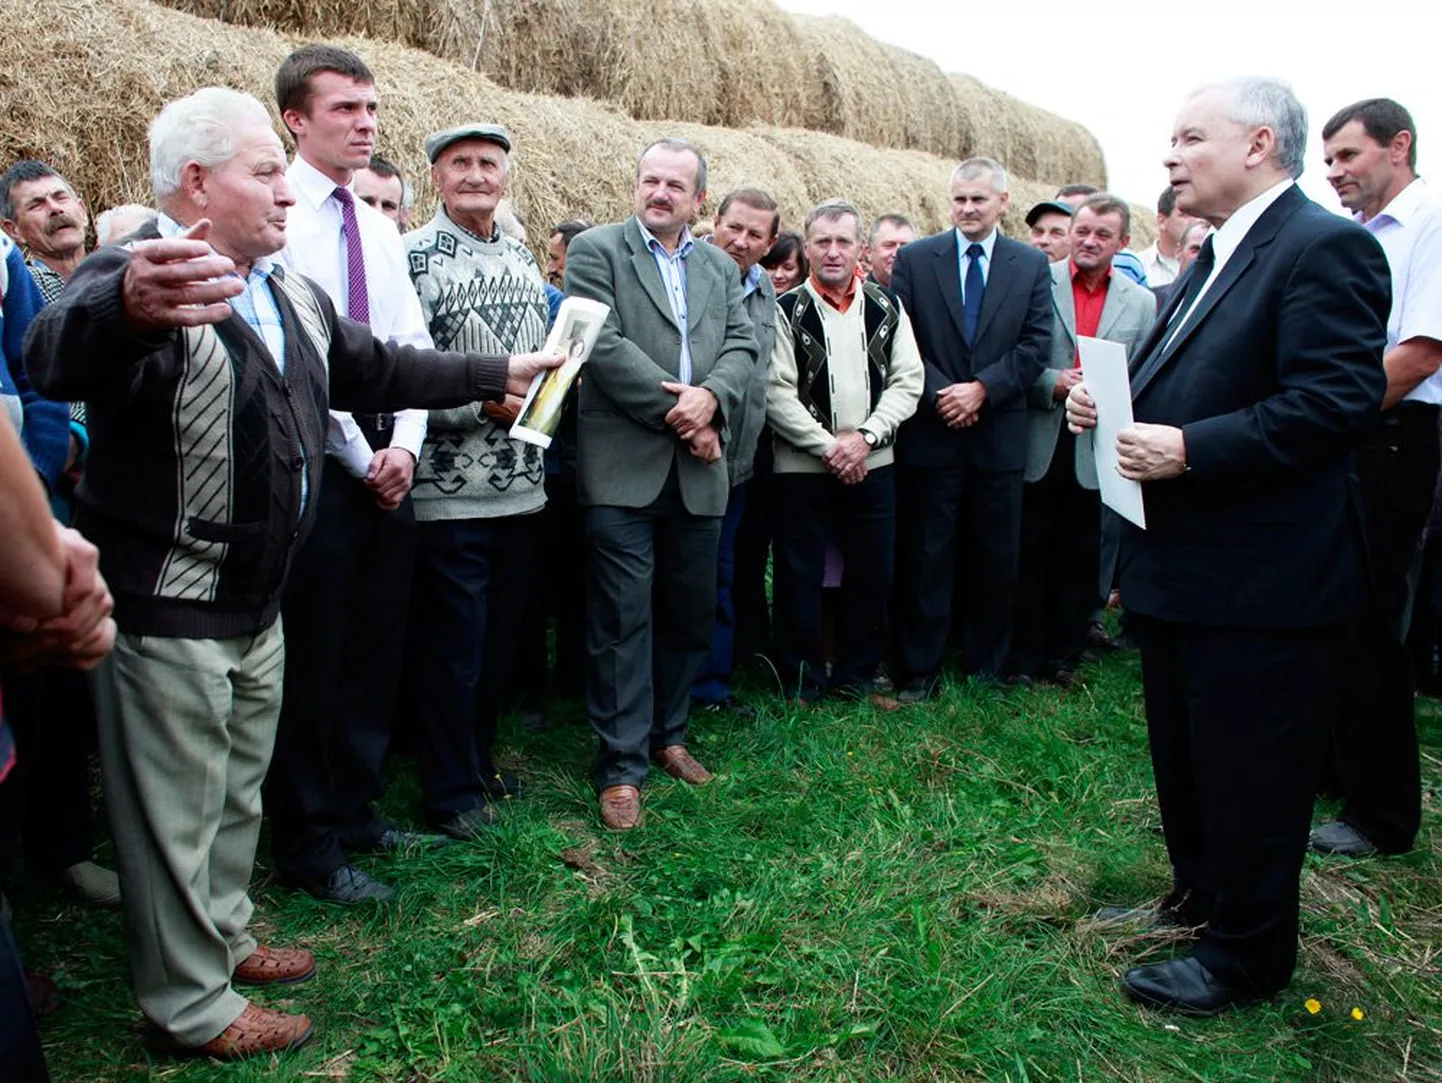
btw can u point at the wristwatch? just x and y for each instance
(868, 436)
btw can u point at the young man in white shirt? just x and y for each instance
(349, 592)
(1371, 154)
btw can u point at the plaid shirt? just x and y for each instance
(256, 306)
(49, 282)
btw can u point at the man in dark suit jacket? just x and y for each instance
(1249, 393)
(980, 305)
(671, 366)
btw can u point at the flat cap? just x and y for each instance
(491, 133)
(1049, 207)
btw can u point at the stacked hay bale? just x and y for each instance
(732, 63)
(96, 71)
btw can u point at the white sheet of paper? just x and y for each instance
(1104, 370)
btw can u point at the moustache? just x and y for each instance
(59, 222)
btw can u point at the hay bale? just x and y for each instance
(97, 71)
(741, 63)
(1029, 141)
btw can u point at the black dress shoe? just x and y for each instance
(917, 692)
(471, 824)
(1339, 838)
(351, 886)
(1181, 985)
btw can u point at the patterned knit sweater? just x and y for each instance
(486, 295)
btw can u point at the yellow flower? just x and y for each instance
(1358, 1014)
(1313, 1005)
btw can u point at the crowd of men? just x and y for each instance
(279, 403)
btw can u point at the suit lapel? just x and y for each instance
(1063, 301)
(1116, 304)
(645, 264)
(948, 280)
(699, 283)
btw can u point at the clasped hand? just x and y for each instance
(846, 458)
(960, 404)
(691, 417)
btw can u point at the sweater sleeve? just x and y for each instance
(904, 380)
(46, 432)
(371, 376)
(789, 419)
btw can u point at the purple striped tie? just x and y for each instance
(358, 302)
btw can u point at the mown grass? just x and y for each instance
(858, 897)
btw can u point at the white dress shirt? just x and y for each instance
(315, 246)
(1160, 269)
(1228, 239)
(1409, 229)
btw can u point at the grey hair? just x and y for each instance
(973, 168)
(1258, 102)
(204, 128)
(677, 145)
(833, 209)
(105, 224)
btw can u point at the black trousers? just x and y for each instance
(559, 595)
(471, 584)
(939, 509)
(750, 599)
(45, 800)
(1376, 762)
(1237, 720)
(344, 613)
(650, 612)
(1057, 572)
(862, 519)
(21, 1059)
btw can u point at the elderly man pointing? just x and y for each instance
(208, 371)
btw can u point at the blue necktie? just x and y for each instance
(972, 295)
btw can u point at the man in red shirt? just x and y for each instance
(1060, 512)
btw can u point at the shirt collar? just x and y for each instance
(682, 250)
(751, 281)
(1075, 271)
(1227, 239)
(1404, 206)
(260, 267)
(313, 185)
(987, 243)
(838, 299)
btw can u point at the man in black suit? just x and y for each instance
(980, 305)
(1249, 393)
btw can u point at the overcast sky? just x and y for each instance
(1121, 67)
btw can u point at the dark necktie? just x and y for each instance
(974, 291)
(1201, 271)
(358, 304)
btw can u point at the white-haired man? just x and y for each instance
(1250, 391)
(209, 371)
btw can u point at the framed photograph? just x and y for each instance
(578, 325)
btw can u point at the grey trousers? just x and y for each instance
(186, 731)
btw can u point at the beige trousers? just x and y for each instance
(186, 729)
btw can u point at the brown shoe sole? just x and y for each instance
(262, 976)
(218, 1048)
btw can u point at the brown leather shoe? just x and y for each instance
(883, 702)
(678, 763)
(256, 1032)
(275, 966)
(620, 807)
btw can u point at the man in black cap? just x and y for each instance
(1050, 225)
(478, 493)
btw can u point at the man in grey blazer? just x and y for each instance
(669, 370)
(1060, 510)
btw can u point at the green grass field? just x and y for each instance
(858, 897)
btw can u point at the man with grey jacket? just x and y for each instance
(746, 225)
(1060, 509)
(657, 400)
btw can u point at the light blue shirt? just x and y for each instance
(963, 261)
(257, 307)
(672, 266)
(751, 281)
